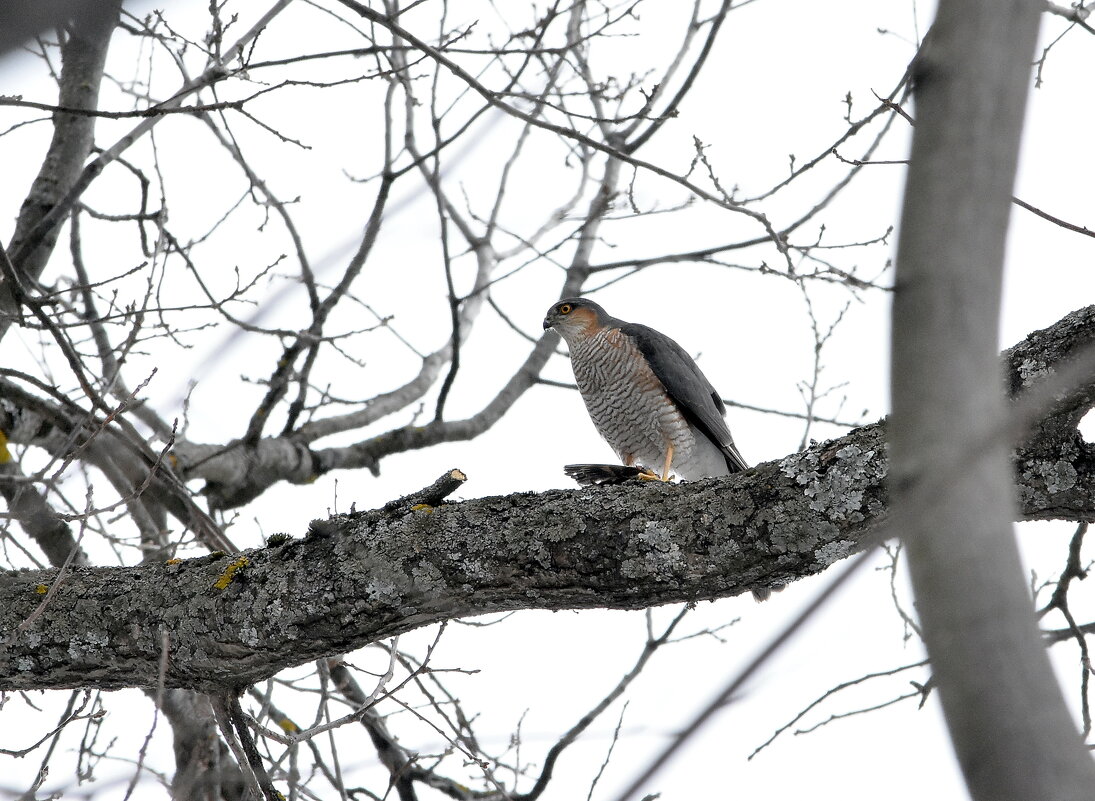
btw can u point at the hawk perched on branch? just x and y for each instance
(647, 398)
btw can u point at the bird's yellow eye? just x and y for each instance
(565, 308)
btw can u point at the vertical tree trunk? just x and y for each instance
(953, 494)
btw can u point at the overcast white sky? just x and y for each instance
(775, 86)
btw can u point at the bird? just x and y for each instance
(646, 396)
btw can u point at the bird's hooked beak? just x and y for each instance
(548, 322)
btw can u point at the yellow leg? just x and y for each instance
(646, 474)
(668, 461)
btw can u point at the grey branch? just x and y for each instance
(361, 577)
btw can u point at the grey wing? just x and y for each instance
(688, 387)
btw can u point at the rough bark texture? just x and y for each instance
(1055, 466)
(355, 578)
(952, 480)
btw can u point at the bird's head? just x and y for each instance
(575, 318)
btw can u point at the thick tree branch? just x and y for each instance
(361, 577)
(357, 578)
